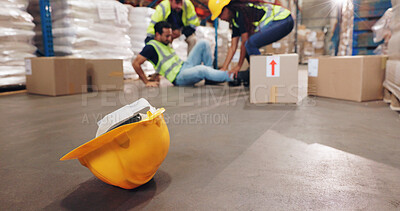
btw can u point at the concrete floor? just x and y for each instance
(225, 153)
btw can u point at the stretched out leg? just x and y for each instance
(190, 76)
(201, 53)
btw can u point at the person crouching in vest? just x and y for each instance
(257, 23)
(168, 64)
(182, 17)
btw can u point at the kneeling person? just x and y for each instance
(169, 65)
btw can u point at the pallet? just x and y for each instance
(12, 92)
(393, 100)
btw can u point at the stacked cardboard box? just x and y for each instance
(370, 8)
(366, 12)
(56, 76)
(311, 43)
(274, 79)
(392, 79)
(364, 24)
(355, 78)
(283, 46)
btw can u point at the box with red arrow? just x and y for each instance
(274, 79)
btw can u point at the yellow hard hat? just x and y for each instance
(216, 7)
(126, 154)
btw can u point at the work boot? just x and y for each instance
(235, 82)
(210, 82)
(244, 76)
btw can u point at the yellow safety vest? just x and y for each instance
(163, 10)
(272, 12)
(169, 64)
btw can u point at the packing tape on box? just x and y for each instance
(272, 97)
(383, 62)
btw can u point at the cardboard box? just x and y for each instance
(105, 74)
(370, 13)
(392, 77)
(356, 78)
(55, 75)
(365, 39)
(274, 79)
(364, 25)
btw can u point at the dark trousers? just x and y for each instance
(272, 32)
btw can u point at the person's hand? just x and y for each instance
(154, 77)
(176, 33)
(234, 71)
(152, 84)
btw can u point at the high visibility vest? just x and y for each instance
(163, 10)
(272, 12)
(169, 64)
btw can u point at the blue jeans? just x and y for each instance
(192, 71)
(272, 32)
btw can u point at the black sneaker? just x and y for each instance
(210, 82)
(244, 76)
(235, 82)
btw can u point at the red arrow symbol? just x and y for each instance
(273, 63)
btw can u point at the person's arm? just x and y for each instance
(191, 15)
(236, 69)
(139, 60)
(231, 51)
(157, 16)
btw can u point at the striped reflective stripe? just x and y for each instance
(192, 18)
(172, 67)
(265, 18)
(185, 5)
(162, 54)
(193, 26)
(234, 22)
(165, 58)
(163, 10)
(159, 49)
(153, 22)
(280, 11)
(150, 35)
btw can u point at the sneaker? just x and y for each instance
(235, 82)
(210, 82)
(244, 77)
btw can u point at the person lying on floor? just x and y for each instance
(168, 64)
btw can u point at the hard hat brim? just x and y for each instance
(217, 7)
(214, 16)
(100, 141)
